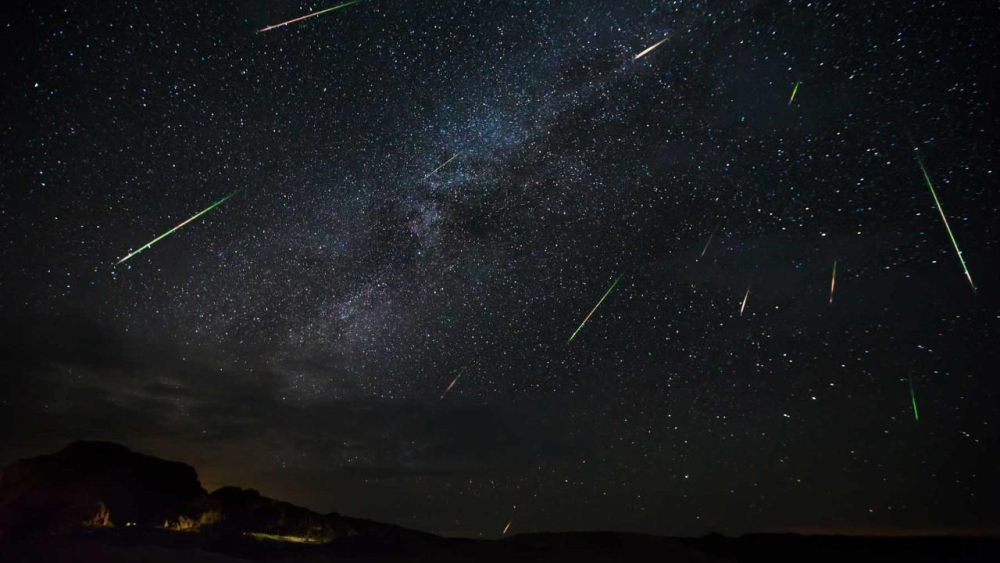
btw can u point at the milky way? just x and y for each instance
(442, 187)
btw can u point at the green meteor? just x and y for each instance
(168, 233)
(453, 157)
(943, 218)
(606, 293)
(914, 399)
(794, 90)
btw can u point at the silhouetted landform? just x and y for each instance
(94, 483)
(96, 501)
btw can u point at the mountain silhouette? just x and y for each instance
(100, 501)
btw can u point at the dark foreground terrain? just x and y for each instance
(96, 501)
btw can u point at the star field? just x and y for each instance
(298, 338)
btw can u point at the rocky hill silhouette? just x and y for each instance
(99, 501)
(102, 485)
(95, 484)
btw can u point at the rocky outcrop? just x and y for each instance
(97, 484)
(247, 510)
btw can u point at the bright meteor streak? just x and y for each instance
(744, 305)
(655, 45)
(833, 280)
(606, 293)
(507, 527)
(945, 219)
(171, 231)
(442, 166)
(300, 18)
(453, 381)
(794, 90)
(913, 398)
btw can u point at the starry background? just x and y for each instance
(297, 339)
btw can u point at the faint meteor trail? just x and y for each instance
(507, 527)
(744, 305)
(794, 91)
(943, 218)
(453, 381)
(833, 280)
(648, 49)
(442, 166)
(587, 318)
(171, 231)
(706, 244)
(913, 398)
(307, 16)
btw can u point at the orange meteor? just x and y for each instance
(453, 381)
(833, 281)
(300, 18)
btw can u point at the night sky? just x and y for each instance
(298, 338)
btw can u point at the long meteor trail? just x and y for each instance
(507, 527)
(307, 16)
(744, 305)
(833, 281)
(606, 293)
(794, 91)
(913, 398)
(442, 166)
(171, 231)
(947, 227)
(648, 49)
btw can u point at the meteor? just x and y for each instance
(794, 90)
(707, 243)
(453, 381)
(594, 309)
(300, 18)
(833, 280)
(507, 527)
(744, 305)
(171, 231)
(655, 45)
(442, 166)
(913, 398)
(947, 227)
